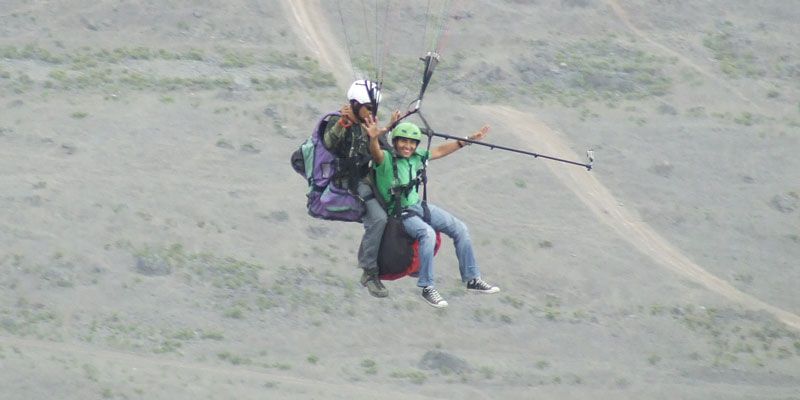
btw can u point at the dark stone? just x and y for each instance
(786, 203)
(317, 232)
(152, 265)
(444, 362)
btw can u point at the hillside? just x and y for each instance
(155, 243)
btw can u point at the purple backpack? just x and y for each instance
(317, 164)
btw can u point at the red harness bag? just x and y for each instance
(399, 253)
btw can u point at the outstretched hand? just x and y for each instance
(371, 125)
(395, 116)
(479, 134)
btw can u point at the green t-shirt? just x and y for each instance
(407, 169)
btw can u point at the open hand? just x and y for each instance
(395, 116)
(479, 134)
(371, 125)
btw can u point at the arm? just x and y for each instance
(373, 131)
(447, 148)
(335, 130)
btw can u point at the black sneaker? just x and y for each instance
(433, 297)
(478, 285)
(373, 283)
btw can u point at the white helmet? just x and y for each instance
(360, 92)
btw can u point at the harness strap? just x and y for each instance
(375, 193)
(403, 190)
(351, 163)
(424, 173)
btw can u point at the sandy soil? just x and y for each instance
(154, 242)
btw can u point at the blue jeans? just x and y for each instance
(446, 223)
(374, 223)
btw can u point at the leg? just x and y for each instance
(446, 223)
(419, 230)
(374, 223)
(424, 233)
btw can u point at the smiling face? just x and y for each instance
(405, 147)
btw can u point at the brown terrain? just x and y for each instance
(154, 241)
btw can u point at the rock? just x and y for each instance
(786, 203)
(152, 265)
(444, 362)
(89, 24)
(222, 143)
(663, 169)
(68, 149)
(270, 112)
(667, 109)
(316, 232)
(249, 148)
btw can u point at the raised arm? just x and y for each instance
(373, 131)
(447, 148)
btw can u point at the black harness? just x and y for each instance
(397, 192)
(352, 158)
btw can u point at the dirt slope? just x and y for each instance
(155, 242)
(591, 191)
(607, 209)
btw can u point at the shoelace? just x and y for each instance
(480, 284)
(434, 295)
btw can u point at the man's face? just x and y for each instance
(405, 147)
(364, 111)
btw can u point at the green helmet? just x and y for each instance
(407, 130)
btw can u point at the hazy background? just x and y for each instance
(154, 241)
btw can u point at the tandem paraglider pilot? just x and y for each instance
(344, 136)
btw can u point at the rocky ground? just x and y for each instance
(154, 241)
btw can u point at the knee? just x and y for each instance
(427, 240)
(425, 233)
(375, 216)
(378, 221)
(430, 233)
(456, 227)
(461, 230)
(462, 227)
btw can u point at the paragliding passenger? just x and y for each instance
(395, 175)
(346, 137)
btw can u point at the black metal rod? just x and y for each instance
(431, 60)
(492, 146)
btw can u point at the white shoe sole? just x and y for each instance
(441, 304)
(490, 291)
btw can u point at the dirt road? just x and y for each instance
(606, 208)
(319, 38)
